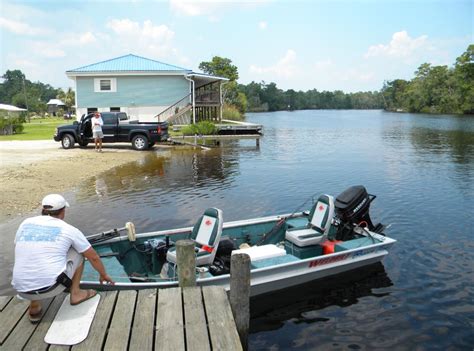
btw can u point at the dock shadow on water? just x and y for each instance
(308, 311)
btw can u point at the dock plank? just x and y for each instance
(10, 316)
(197, 336)
(220, 320)
(169, 322)
(23, 330)
(98, 330)
(4, 300)
(144, 321)
(36, 342)
(119, 331)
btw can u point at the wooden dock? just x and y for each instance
(191, 318)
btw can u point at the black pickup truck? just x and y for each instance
(117, 128)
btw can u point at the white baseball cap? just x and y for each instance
(56, 202)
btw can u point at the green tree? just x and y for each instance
(223, 67)
(68, 97)
(19, 91)
(464, 78)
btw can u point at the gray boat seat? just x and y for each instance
(317, 228)
(206, 235)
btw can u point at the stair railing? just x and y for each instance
(173, 109)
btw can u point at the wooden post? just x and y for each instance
(240, 295)
(186, 261)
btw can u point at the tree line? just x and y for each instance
(18, 91)
(435, 89)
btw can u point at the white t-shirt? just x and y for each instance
(97, 124)
(41, 246)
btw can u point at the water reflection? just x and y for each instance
(182, 169)
(299, 304)
(458, 144)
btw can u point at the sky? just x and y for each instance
(300, 44)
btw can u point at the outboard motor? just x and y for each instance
(351, 210)
(221, 264)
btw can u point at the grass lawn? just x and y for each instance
(38, 129)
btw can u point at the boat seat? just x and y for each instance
(317, 228)
(297, 222)
(206, 235)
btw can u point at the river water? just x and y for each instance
(421, 167)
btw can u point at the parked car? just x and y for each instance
(117, 128)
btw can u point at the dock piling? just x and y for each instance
(240, 295)
(186, 262)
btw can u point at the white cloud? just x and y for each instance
(87, 38)
(285, 67)
(401, 46)
(145, 31)
(19, 27)
(211, 8)
(262, 25)
(52, 52)
(146, 38)
(80, 39)
(195, 7)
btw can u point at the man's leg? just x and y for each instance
(35, 307)
(76, 265)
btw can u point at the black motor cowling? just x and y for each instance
(221, 264)
(353, 204)
(352, 209)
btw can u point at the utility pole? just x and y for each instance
(26, 99)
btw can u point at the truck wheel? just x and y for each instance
(140, 142)
(67, 141)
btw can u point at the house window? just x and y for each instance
(115, 109)
(105, 85)
(91, 110)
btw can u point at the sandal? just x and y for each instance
(90, 294)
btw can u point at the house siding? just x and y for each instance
(132, 91)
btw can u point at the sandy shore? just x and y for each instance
(31, 169)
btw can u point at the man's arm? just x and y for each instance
(96, 262)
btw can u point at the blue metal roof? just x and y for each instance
(128, 63)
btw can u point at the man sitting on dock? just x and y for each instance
(49, 258)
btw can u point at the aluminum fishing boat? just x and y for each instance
(334, 236)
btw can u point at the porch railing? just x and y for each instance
(207, 97)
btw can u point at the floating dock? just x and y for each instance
(193, 318)
(229, 127)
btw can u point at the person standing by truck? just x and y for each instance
(97, 133)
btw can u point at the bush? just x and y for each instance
(201, 128)
(232, 113)
(10, 125)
